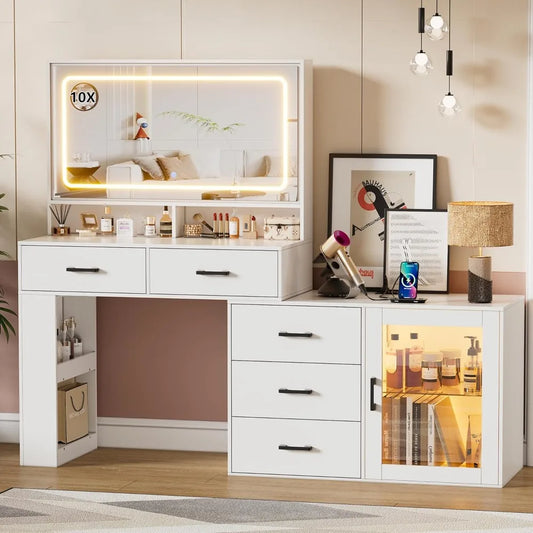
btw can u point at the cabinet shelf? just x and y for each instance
(76, 367)
(67, 452)
(453, 393)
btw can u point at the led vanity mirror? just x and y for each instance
(175, 131)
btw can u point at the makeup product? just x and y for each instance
(220, 225)
(395, 364)
(197, 217)
(234, 226)
(165, 223)
(248, 223)
(215, 224)
(451, 367)
(226, 225)
(107, 222)
(413, 370)
(124, 226)
(149, 227)
(431, 371)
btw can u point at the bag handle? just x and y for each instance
(82, 402)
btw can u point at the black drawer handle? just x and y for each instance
(212, 272)
(373, 382)
(291, 334)
(295, 391)
(80, 269)
(295, 448)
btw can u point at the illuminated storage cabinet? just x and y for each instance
(354, 389)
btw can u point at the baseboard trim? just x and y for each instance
(9, 427)
(144, 433)
(154, 434)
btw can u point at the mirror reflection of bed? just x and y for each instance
(178, 131)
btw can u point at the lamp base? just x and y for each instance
(480, 279)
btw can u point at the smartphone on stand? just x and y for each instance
(408, 287)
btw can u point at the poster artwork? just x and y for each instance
(372, 193)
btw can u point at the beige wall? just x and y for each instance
(365, 99)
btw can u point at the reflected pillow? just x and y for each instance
(206, 161)
(149, 164)
(273, 165)
(178, 168)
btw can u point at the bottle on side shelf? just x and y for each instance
(395, 364)
(431, 371)
(165, 223)
(413, 356)
(451, 368)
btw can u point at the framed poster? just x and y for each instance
(362, 187)
(419, 235)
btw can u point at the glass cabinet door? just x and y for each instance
(432, 403)
(431, 395)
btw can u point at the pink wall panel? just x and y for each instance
(162, 359)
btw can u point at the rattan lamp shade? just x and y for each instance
(480, 224)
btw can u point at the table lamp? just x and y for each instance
(481, 224)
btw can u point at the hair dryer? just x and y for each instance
(346, 281)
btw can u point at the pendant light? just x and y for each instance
(448, 106)
(436, 27)
(420, 64)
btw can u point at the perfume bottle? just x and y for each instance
(165, 223)
(413, 355)
(395, 364)
(234, 226)
(106, 222)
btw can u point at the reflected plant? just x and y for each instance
(202, 122)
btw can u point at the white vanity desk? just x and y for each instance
(62, 276)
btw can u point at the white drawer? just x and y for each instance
(335, 447)
(296, 333)
(296, 390)
(214, 272)
(83, 269)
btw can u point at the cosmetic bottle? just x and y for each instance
(165, 223)
(220, 225)
(107, 222)
(451, 367)
(149, 227)
(431, 371)
(471, 371)
(395, 364)
(413, 356)
(234, 226)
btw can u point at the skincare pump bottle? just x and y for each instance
(165, 223)
(471, 377)
(107, 222)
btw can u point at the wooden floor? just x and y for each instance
(204, 474)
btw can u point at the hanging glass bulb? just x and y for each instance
(420, 64)
(449, 106)
(436, 27)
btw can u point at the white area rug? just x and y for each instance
(55, 510)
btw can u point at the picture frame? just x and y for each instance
(419, 235)
(362, 187)
(89, 221)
